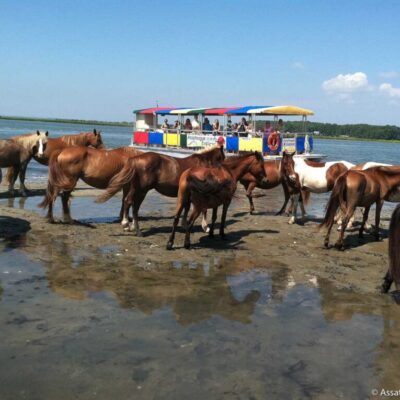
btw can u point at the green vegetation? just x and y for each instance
(68, 121)
(361, 131)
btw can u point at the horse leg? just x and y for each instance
(22, 187)
(124, 212)
(302, 208)
(65, 196)
(180, 207)
(378, 209)
(137, 202)
(223, 219)
(249, 190)
(340, 243)
(287, 197)
(364, 220)
(387, 282)
(295, 199)
(13, 179)
(195, 213)
(213, 219)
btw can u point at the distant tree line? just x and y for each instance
(365, 131)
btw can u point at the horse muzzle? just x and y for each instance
(264, 181)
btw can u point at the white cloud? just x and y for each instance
(389, 75)
(298, 65)
(389, 90)
(346, 83)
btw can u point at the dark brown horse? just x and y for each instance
(210, 187)
(276, 177)
(393, 273)
(94, 167)
(361, 189)
(15, 154)
(155, 171)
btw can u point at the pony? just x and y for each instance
(361, 189)
(210, 187)
(95, 167)
(393, 273)
(15, 154)
(311, 176)
(81, 139)
(275, 176)
(155, 171)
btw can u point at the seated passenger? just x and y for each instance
(280, 128)
(242, 129)
(188, 125)
(207, 128)
(177, 126)
(165, 125)
(195, 123)
(216, 127)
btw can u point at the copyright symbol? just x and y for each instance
(374, 392)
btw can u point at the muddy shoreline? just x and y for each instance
(262, 240)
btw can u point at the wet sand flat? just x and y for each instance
(91, 311)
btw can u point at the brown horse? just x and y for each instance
(81, 139)
(210, 187)
(155, 171)
(393, 273)
(15, 154)
(361, 189)
(94, 167)
(276, 177)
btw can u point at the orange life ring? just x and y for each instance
(274, 141)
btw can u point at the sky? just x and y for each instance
(103, 59)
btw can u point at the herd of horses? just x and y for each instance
(205, 180)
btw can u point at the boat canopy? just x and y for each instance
(244, 110)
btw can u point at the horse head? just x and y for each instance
(287, 167)
(95, 140)
(39, 145)
(257, 168)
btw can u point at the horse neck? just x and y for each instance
(239, 167)
(393, 179)
(79, 139)
(27, 142)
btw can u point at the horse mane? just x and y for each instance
(26, 140)
(395, 170)
(207, 149)
(242, 156)
(75, 139)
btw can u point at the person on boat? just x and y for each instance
(242, 129)
(177, 126)
(220, 141)
(207, 127)
(196, 123)
(216, 127)
(280, 127)
(229, 126)
(188, 125)
(165, 125)
(235, 129)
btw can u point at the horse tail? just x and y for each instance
(207, 186)
(118, 181)
(394, 243)
(10, 174)
(336, 199)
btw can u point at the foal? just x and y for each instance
(211, 187)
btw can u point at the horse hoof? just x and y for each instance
(139, 234)
(187, 245)
(211, 235)
(339, 246)
(396, 296)
(326, 245)
(169, 246)
(291, 221)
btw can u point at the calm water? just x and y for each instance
(82, 324)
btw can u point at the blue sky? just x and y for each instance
(102, 59)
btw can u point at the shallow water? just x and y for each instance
(85, 325)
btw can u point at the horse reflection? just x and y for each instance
(192, 293)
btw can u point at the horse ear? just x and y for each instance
(47, 133)
(38, 133)
(292, 154)
(95, 132)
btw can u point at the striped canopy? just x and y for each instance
(244, 110)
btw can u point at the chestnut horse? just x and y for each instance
(81, 139)
(393, 273)
(210, 187)
(311, 176)
(155, 171)
(94, 167)
(361, 189)
(15, 154)
(276, 177)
